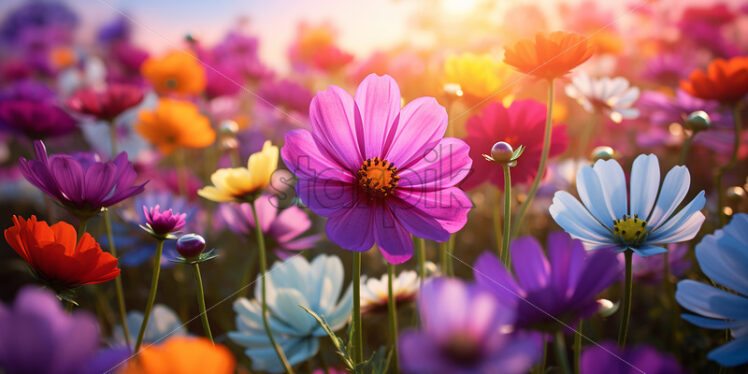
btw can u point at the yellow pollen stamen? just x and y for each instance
(630, 229)
(377, 177)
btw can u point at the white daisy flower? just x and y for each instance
(374, 291)
(613, 97)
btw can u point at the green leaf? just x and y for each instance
(336, 341)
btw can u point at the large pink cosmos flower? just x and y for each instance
(380, 172)
(521, 123)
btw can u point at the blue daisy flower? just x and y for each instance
(642, 219)
(723, 257)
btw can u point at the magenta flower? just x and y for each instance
(81, 182)
(35, 119)
(286, 94)
(284, 228)
(561, 287)
(378, 172)
(464, 330)
(519, 124)
(161, 224)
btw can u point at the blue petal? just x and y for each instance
(673, 191)
(613, 182)
(648, 250)
(714, 324)
(711, 302)
(645, 181)
(591, 192)
(733, 353)
(724, 263)
(682, 226)
(569, 213)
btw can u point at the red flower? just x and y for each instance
(725, 81)
(549, 56)
(522, 123)
(56, 258)
(106, 104)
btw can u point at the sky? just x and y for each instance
(364, 25)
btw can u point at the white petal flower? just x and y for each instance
(374, 291)
(611, 96)
(317, 286)
(163, 323)
(645, 224)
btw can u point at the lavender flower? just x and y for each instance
(606, 357)
(544, 291)
(81, 183)
(464, 330)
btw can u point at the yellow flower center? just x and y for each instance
(377, 177)
(631, 230)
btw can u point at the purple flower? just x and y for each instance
(378, 172)
(464, 330)
(286, 94)
(190, 246)
(81, 183)
(37, 336)
(29, 90)
(561, 287)
(607, 358)
(161, 224)
(36, 15)
(667, 68)
(35, 119)
(285, 228)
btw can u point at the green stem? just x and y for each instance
(545, 354)
(82, 226)
(684, 150)
(505, 257)
(247, 278)
(151, 294)
(450, 252)
(497, 221)
(69, 306)
(421, 258)
(201, 301)
(392, 313)
(541, 167)
(733, 159)
(577, 347)
(444, 257)
(563, 361)
(585, 138)
(358, 344)
(113, 136)
(117, 281)
(263, 270)
(626, 311)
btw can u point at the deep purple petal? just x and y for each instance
(69, 175)
(566, 257)
(353, 228)
(327, 197)
(491, 274)
(601, 269)
(448, 206)
(393, 240)
(99, 182)
(529, 262)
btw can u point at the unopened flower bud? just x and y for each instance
(735, 193)
(229, 127)
(602, 153)
(698, 121)
(190, 245)
(607, 307)
(502, 152)
(453, 90)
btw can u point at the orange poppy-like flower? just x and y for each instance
(724, 80)
(177, 72)
(183, 355)
(174, 124)
(550, 55)
(56, 257)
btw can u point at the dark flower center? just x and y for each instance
(377, 177)
(171, 83)
(462, 349)
(631, 230)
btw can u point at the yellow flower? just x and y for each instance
(478, 75)
(175, 124)
(177, 72)
(241, 184)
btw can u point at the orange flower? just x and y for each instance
(725, 81)
(177, 72)
(549, 56)
(174, 124)
(55, 257)
(183, 355)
